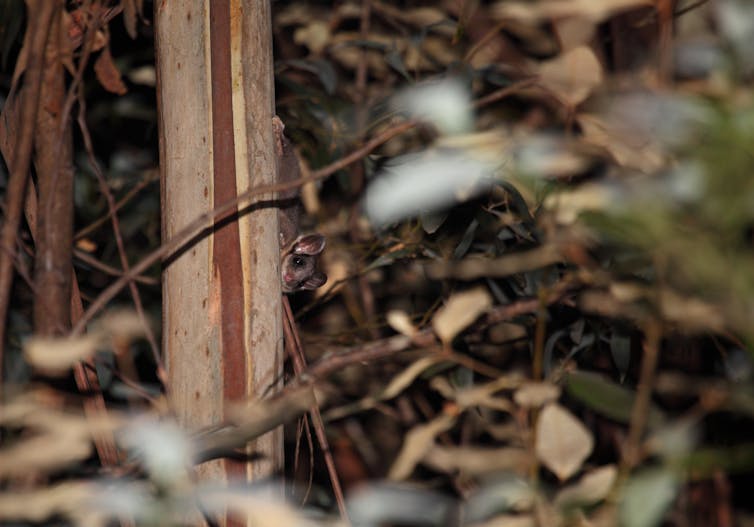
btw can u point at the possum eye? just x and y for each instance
(298, 261)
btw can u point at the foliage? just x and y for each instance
(540, 291)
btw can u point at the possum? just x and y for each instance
(299, 252)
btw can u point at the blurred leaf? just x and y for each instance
(620, 351)
(401, 322)
(475, 461)
(536, 394)
(509, 264)
(399, 382)
(459, 312)
(132, 11)
(505, 493)
(572, 76)
(592, 487)
(646, 496)
(53, 439)
(162, 448)
(432, 221)
(315, 35)
(562, 441)
(445, 104)
(736, 19)
(607, 398)
(56, 356)
(734, 459)
(674, 440)
(392, 504)
(539, 10)
(395, 60)
(466, 240)
(323, 69)
(417, 443)
(389, 258)
(429, 181)
(67, 499)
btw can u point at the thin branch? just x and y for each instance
(118, 236)
(39, 26)
(640, 410)
(299, 366)
(110, 270)
(223, 211)
(425, 338)
(150, 177)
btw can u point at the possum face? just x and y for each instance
(299, 265)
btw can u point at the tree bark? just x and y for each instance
(53, 159)
(221, 295)
(38, 31)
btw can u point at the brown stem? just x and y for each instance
(53, 160)
(640, 410)
(39, 28)
(299, 366)
(118, 236)
(151, 176)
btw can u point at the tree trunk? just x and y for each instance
(221, 294)
(53, 159)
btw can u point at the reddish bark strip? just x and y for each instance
(226, 253)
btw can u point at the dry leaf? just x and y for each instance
(484, 395)
(593, 487)
(401, 322)
(536, 12)
(628, 148)
(518, 262)
(590, 197)
(132, 10)
(108, 74)
(418, 441)
(123, 324)
(477, 461)
(563, 442)
(56, 356)
(39, 505)
(407, 376)
(536, 394)
(54, 439)
(572, 76)
(315, 36)
(573, 32)
(460, 311)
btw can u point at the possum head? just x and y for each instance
(299, 266)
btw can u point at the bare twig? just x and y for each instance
(299, 366)
(640, 410)
(150, 177)
(118, 236)
(424, 338)
(112, 271)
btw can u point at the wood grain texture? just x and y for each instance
(262, 242)
(221, 295)
(191, 340)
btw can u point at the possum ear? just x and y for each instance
(314, 281)
(309, 244)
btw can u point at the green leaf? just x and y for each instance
(646, 497)
(608, 398)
